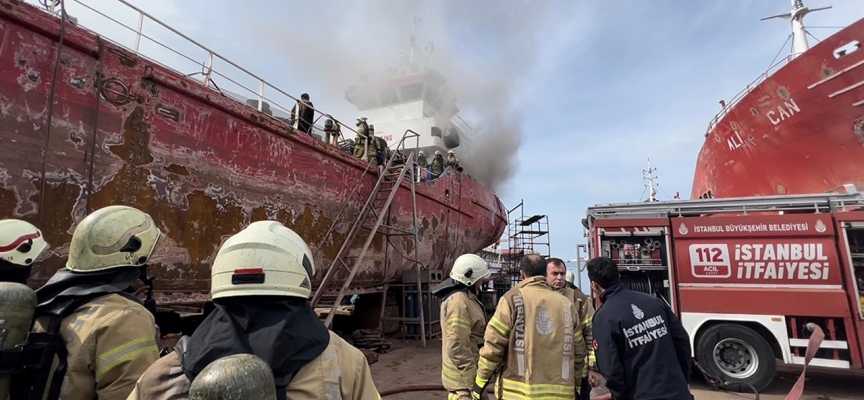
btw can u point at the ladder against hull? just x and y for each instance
(368, 223)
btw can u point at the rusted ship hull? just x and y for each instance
(801, 130)
(101, 125)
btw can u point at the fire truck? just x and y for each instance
(746, 275)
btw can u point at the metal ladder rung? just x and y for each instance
(372, 207)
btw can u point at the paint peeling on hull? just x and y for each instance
(124, 130)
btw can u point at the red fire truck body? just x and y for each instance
(746, 275)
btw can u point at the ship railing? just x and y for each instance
(261, 90)
(727, 108)
(356, 190)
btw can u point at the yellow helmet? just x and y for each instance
(469, 268)
(265, 259)
(20, 242)
(112, 237)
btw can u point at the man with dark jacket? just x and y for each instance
(303, 114)
(642, 349)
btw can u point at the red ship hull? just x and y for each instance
(126, 130)
(799, 131)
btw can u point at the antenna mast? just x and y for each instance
(796, 17)
(413, 41)
(649, 177)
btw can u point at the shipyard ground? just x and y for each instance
(406, 363)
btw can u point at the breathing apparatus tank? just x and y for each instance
(235, 377)
(17, 306)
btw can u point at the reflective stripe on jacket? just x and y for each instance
(538, 331)
(586, 314)
(341, 372)
(463, 321)
(111, 341)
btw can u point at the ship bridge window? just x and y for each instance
(848, 49)
(413, 91)
(364, 101)
(431, 95)
(388, 96)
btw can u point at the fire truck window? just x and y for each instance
(856, 247)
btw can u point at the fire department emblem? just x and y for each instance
(637, 312)
(544, 323)
(820, 226)
(683, 229)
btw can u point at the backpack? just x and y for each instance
(30, 363)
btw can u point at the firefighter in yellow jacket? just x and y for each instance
(537, 330)
(463, 320)
(260, 284)
(561, 280)
(108, 334)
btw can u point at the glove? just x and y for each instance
(477, 391)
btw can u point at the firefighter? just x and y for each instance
(452, 161)
(422, 162)
(532, 336)
(109, 336)
(463, 320)
(360, 140)
(556, 277)
(332, 132)
(260, 286)
(437, 164)
(373, 150)
(21, 244)
(642, 349)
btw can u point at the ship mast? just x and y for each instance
(649, 177)
(796, 17)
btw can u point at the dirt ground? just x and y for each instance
(408, 364)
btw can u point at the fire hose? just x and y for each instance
(797, 390)
(420, 388)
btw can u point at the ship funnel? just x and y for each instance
(796, 17)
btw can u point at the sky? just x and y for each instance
(571, 97)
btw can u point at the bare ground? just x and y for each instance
(409, 364)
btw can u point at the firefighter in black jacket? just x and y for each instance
(642, 349)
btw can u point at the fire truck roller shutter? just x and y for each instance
(737, 354)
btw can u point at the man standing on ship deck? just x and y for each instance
(532, 314)
(303, 114)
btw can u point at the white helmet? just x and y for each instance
(422, 153)
(469, 268)
(20, 242)
(570, 277)
(437, 152)
(450, 152)
(265, 259)
(112, 237)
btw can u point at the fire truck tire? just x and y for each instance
(737, 354)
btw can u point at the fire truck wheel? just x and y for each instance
(737, 354)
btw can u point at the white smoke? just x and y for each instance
(486, 51)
